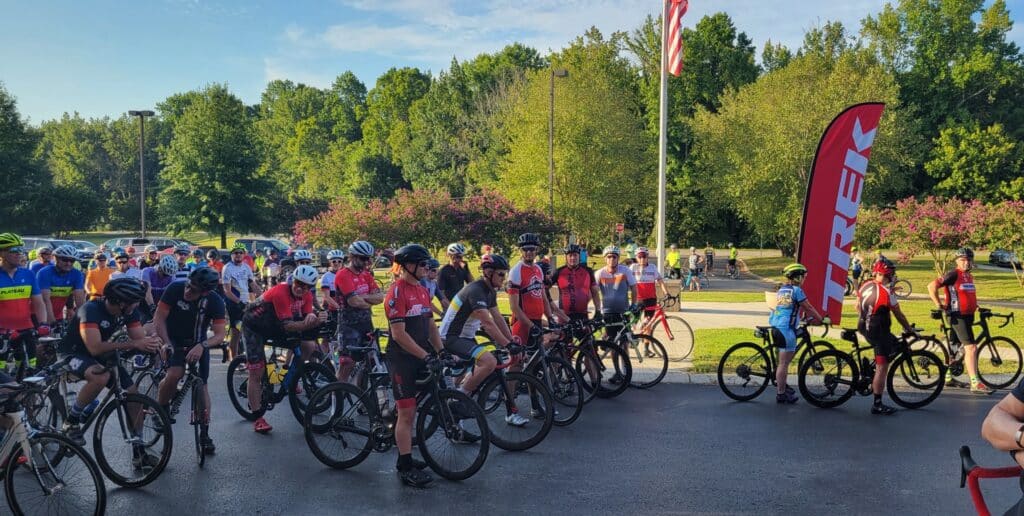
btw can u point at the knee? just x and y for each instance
(486, 362)
(174, 374)
(405, 414)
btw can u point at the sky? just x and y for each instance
(105, 57)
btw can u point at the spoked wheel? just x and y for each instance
(58, 478)
(810, 350)
(999, 362)
(132, 440)
(458, 449)
(649, 361)
(337, 426)
(148, 383)
(743, 371)
(676, 335)
(238, 384)
(916, 378)
(566, 389)
(312, 376)
(932, 345)
(45, 411)
(199, 420)
(616, 369)
(530, 399)
(589, 371)
(902, 289)
(828, 379)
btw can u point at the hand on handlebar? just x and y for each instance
(147, 344)
(434, 363)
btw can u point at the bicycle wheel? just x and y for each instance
(528, 394)
(999, 362)
(460, 449)
(676, 335)
(337, 426)
(311, 377)
(238, 384)
(922, 377)
(931, 344)
(828, 379)
(129, 448)
(59, 478)
(44, 410)
(566, 389)
(148, 383)
(743, 371)
(849, 287)
(649, 361)
(616, 369)
(902, 289)
(198, 419)
(811, 349)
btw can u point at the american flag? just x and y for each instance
(675, 35)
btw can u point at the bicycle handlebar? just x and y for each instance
(970, 472)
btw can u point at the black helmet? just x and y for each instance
(204, 278)
(494, 261)
(528, 239)
(124, 290)
(572, 248)
(966, 252)
(412, 253)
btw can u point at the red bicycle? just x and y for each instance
(671, 330)
(970, 472)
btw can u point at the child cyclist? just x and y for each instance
(784, 319)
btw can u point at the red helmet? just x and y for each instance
(884, 266)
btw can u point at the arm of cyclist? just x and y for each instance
(550, 310)
(50, 317)
(328, 300)
(435, 336)
(595, 296)
(1004, 421)
(403, 339)
(500, 323)
(517, 311)
(942, 281)
(898, 312)
(39, 308)
(137, 339)
(490, 327)
(220, 331)
(812, 312)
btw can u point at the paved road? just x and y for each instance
(678, 449)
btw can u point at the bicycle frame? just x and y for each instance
(18, 431)
(971, 473)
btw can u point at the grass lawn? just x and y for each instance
(713, 296)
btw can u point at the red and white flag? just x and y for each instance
(675, 35)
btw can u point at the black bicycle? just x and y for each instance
(915, 376)
(999, 358)
(746, 369)
(191, 382)
(557, 374)
(604, 367)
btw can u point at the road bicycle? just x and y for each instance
(557, 374)
(971, 473)
(746, 369)
(647, 356)
(44, 472)
(14, 352)
(837, 375)
(999, 358)
(900, 288)
(191, 382)
(672, 331)
(603, 367)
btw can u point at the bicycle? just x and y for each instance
(646, 355)
(674, 333)
(900, 288)
(45, 471)
(839, 374)
(503, 392)
(558, 375)
(755, 365)
(344, 424)
(971, 472)
(14, 352)
(702, 279)
(991, 351)
(297, 381)
(597, 361)
(191, 382)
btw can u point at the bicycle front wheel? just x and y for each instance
(238, 393)
(459, 450)
(649, 361)
(58, 478)
(199, 419)
(500, 397)
(828, 379)
(902, 289)
(132, 440)
(588, 370)
(921, 378)
(310, 378)
(676, 335)
(337, 426)
(931, 345)
(743, 371)
(999, 362)
(566, 389)
(616, 369)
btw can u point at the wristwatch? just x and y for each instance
(204, 345)
(1017, 437)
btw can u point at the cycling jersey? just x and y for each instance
(16, 293)
(96, 279)
(574, 288)
(94, 315)
(326, 282)
(958, 291)
(527, 280)
(408, 303)
(348, 283)
(37, 265)
(457, 321)
(132, 272)
(183, 322)
(646, 280)
(61, 286)
(876, 304)
(614, 287)
(451, 279)
(183, 271)
(673, 259)
(157, 282)
(237, 278)
(275, 307)
(787, 308)
(733, 253)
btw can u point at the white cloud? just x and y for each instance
(277, 68)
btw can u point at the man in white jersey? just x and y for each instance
(239, 282)
(647, 276)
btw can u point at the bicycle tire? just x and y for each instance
(680, 344)
(238, 382)
(45, 409)
(147, 384)
(810, 350)
(588, 371)
(311, 377)
(922, 371)
(566, 392)
(333, 421)
(491, 397)
(837, 369)
(198, 409)
(616, 369)
(998, 351)
(931, 344)
(147, 408)
(59, 445)
(902, 289)
(649, 361)
(753, 364)
(430, 444)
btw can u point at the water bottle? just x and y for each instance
(382, 399)
(272, 374)
(90, 408)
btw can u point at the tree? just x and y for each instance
(385, 127)
(1003, 230)
(22, 183)
(969, 161)
(71, 150)
(934, 226)
(210, 170)
(774, 56)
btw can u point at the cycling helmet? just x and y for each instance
(641, 250)
(66, 251)
(572, 248)
(124, 290)
(212, 253)
(181, 248)
(118, 251)
(456, 248)
(494, 261)
(692, 249)
(883, 266)
(527, 239)
(965, 252)
(44, 249)
(853, 248)
(730, 244)
(612, 249)
(302, 254)
(204, 277)
(9, 240)
(433, 264)
(793, 270)
(305, 274)
(239, 247)
(411, 253)
(336, 254)
(361, 248)
(167, 265)
(672, 246)
(121, 253)
(198, 253)
(150, 249)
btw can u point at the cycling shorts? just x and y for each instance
(732, 261)
(254, 342)
(81, 362)
(784, 339)
(405, 369)
(349, 337)
(884, 344)
(235, 312)
(521, 331)
(963, 328)
(177, 359)
(467, 348)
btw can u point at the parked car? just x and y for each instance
(1003, 258)
(84, 245)
(35, 242)
(252, 244)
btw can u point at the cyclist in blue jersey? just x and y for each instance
(784, 320)
(61, 285)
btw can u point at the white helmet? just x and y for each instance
(167, 265)
(361, 248)
(456, 248)
(66, 251)
(693, 248)
(302, 254)
(306, 274)
(150, 249)
(336, 254)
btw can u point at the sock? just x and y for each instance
(404, 462)
(878, 399)
(949, 374)
(75, 415)
(975, 380)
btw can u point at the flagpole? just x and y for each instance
(663, 123)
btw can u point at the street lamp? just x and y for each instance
(142, 166)
(555, 72)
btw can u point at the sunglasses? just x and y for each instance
(45, 254)
(528, 248)
(237, 252)
(121, 261)
(456, 256)
(14, 250)
(66, 260)
(337, 261)
(102, 258)
(502, 274)
(300, 285)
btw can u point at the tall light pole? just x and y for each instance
(142, 166)
(555, 72)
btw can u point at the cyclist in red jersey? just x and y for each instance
(21, 303)
(647, 278)
(960, 305)
(526, 290)
(576, 286)
(356, 292)
(876, 305)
